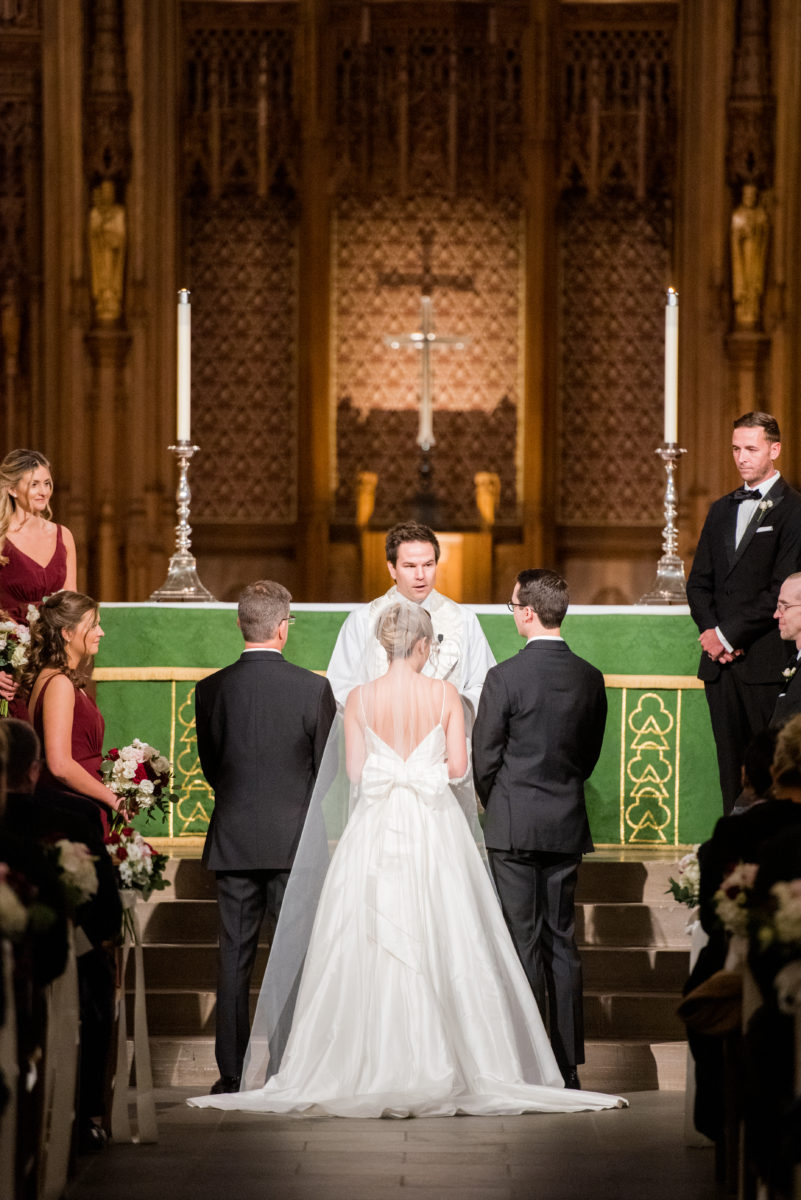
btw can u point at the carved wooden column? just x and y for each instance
(314, 402)
(151, 36)
(20, 219)
(63, 435)
(538, 424)
(702, 214)
(750, 173)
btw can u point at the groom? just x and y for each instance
(536, 740)
(262, 725)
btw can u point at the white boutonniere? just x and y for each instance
(762, 508)
(789, 672)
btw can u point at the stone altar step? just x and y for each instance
(621, 1066)
(634, 948)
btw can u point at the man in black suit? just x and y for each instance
(750, 542)
(788, 614)
(262, 725)
(536, 740)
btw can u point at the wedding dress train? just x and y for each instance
(412, 1001)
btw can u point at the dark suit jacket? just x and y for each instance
(788, 702)
(736, 590)
(46, 818)
(537, 738)
(262, 725)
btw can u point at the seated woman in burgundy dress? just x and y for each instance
(64, 642)
(37, 557)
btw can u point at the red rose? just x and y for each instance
(140, 773)
(113, 754)
(112, 839)
(128, 831)
(122, 854)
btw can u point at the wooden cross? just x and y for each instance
(425, 339)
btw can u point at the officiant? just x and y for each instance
(461, 654)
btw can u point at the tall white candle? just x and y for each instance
(672, 366)
(184, 365)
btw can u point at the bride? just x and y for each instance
(411, 998)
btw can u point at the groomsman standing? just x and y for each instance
(262, 726)
(750, 542)
(536, 741)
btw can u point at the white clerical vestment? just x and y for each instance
(463, 656)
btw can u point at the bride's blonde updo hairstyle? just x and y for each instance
(401, 627)
(61, 611)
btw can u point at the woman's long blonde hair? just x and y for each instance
(16, 464)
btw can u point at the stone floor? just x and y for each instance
(203, 1153)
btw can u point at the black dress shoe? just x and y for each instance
(226, 1083)
(92, 1138)
(570, 1076)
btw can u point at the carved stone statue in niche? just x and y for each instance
(107, 233)
(750, 230)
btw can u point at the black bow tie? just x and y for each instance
(745, 493)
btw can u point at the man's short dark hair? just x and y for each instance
(545, 592)
(24, 750)
(261, 609)
(409, 531)
(760, 420)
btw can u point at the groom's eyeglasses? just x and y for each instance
(512, 605)
(782, 606)
(290, 620)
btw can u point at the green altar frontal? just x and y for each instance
(655, 785)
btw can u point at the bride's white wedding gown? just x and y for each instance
(413, 1001)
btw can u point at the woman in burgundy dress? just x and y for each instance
(64, 641)
(37, 557)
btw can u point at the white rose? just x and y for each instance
(162, 765)
(146, 788)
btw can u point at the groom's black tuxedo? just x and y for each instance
(536, 740)
(262, 725)
(735, 589)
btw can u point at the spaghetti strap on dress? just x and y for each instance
(24, 581)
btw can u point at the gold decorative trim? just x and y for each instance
(155, 674)
(665, 683)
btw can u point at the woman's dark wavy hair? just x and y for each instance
(59, 612)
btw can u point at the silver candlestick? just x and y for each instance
(669, 586)
(182, 581)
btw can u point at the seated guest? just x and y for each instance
(788, 614)
(41, 816)
(772, 1107)
(756, 774)
(64, 642)
(735, 839)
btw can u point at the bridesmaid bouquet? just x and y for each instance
(15, 641)
(141, 776)
(138, 867)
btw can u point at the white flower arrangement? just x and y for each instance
(789, 672)
(13, 914)
(78, 872)
(686, 889)
(733, 899)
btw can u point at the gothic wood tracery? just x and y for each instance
(617, 121)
